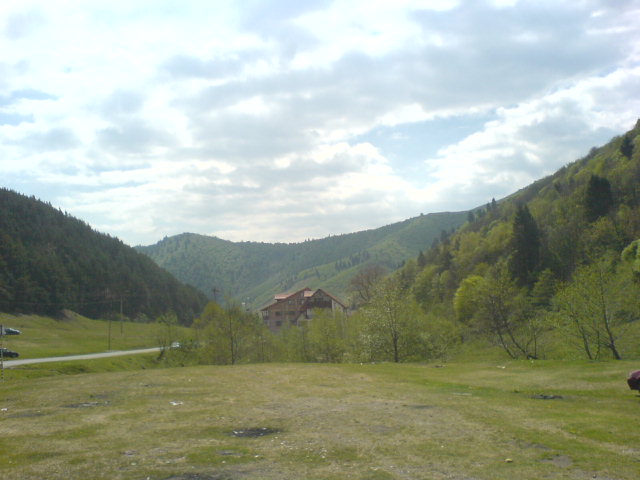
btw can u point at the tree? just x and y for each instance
(598, 198)
(626, 147)
(227, 332)
(421, 260)
(525, 242)
(596, 307)
(167, 332)
(471, 216)
(466, 298)
(362, 285)
(544, 289)
(631, 255)
(497, 308)
(326, 335)
(393, 323)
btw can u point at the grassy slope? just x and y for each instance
(45, 336)
(463, 421)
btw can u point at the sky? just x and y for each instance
(283, 120)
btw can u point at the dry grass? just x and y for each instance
(372, 422)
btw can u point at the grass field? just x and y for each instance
(74, 334)
(513, 420)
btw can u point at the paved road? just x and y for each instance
(88, 356)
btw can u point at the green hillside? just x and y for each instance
(50, 261)
(252, 271)
(559, 260)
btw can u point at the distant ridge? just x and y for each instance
(252, 272)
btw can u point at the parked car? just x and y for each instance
(9, 331)
(8, 353)
(633, 380)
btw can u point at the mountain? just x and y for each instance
(50, 261)
(253, 272)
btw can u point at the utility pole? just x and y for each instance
(121, 301)
(215, 294)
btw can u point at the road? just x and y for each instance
(88, 356)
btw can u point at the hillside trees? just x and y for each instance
(50, 261)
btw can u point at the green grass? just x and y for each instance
(74, 334)
(376, 422)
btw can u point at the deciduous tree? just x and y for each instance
(389, 321)
(497, 308)
(595, 307)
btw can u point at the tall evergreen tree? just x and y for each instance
(598, 199)
(525, 241)
(626, 147)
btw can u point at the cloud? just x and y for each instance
(51, 140)
(537, 137)
(20, 25)
(286, 120)
(188, 66)
(25, 94)
(9, 118)
(122, 102)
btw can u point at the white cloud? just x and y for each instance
(246, 120)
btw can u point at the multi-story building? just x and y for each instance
(293, 308)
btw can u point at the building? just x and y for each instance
(293, 308)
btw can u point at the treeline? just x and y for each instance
(50, 261)
(230, 335)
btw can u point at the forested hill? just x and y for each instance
(563, 253)
(252, 272)
(50, 261)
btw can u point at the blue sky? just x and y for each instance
(287, 120)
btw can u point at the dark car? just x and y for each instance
(8, 353)
(633, 380)
(9, 331)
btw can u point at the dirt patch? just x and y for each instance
(421, 407)
(27, 415)
(86, 405)
(199, 476)
(254, 432)
(560, 461)
(229, 453)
